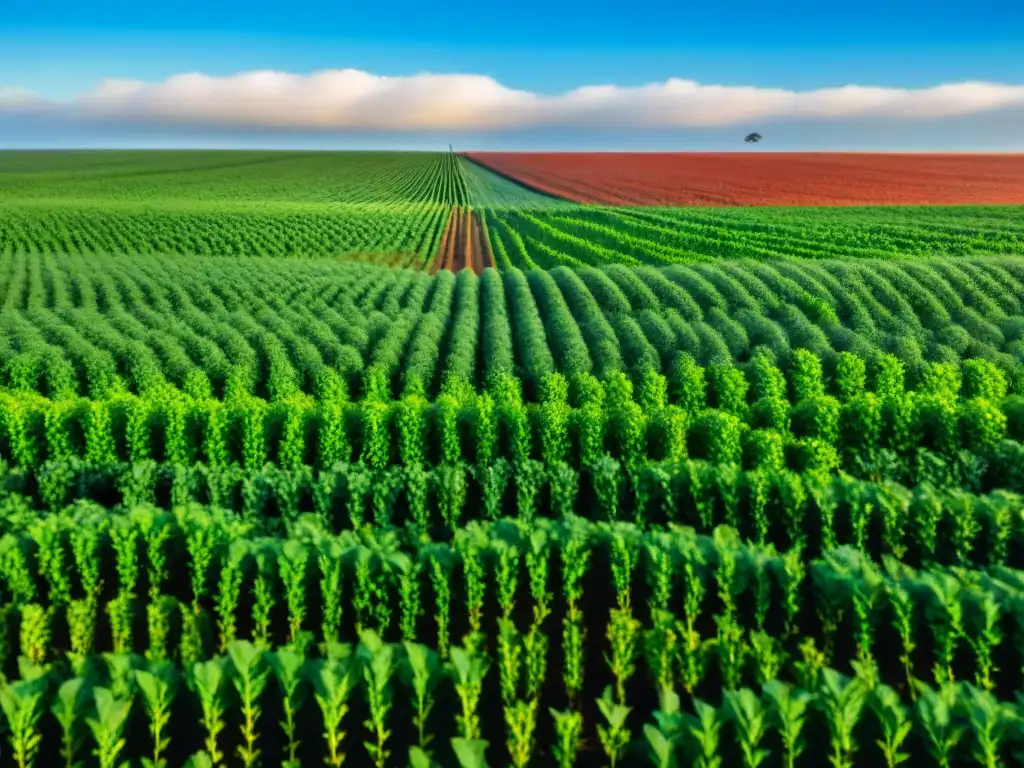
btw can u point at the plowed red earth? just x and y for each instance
(766, 178)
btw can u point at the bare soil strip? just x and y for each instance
(463, 244)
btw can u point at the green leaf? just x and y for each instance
(420, 759)
(662, 748)
(159, 682)
(461, 663)
(614, 714)
(29, 670)
(287, 664)
(334, 651)
(209, 676)
(199, 760)
(70, 696)
(111, 712)
(470, 752)
(421, 666)
(244, 656)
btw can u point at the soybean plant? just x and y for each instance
(334, 679)
(422, 671)
(249, 675)
(209, 680)
(288, 665)
(158, 685)
(22, 704)
(108, 725)
(377, 660)
(68, 708)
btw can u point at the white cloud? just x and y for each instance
(12, 97)
(350, 100)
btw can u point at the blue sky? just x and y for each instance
(546, 48)
(561, 23)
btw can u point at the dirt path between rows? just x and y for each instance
(463, 244)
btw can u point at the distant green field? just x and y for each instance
(160, 177)
(385, 207)
(391, 208)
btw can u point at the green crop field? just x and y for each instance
(712, 487)
(384, 207)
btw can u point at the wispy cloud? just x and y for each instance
(13, 97)
(352, 100)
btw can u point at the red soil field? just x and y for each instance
(720, 179)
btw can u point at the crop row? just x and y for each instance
(950, 429)
(128, 706)
(810, 510)
(652, 641)
(404, 234)
(93, 325)
(574, 237)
